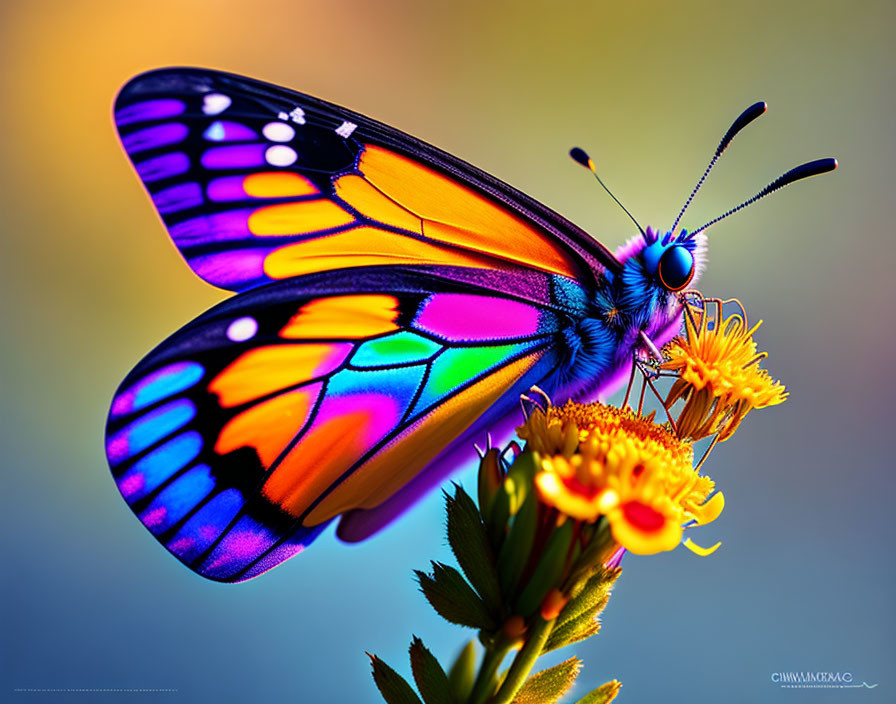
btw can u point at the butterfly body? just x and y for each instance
(393, 302)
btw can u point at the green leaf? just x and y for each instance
(469, 541)
(392, 686)
(603, 694)
(498, 515)
(428, 674)
(463, 673)
(517, 546)
(594, 593)
(549, 685)
(580, 628)
(455, 601)
(578, 619)
(549, 570)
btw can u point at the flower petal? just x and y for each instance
(709, 510)
(643, 530)
(697, 550)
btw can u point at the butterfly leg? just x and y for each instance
(711, 445)
(631, 381)
(647, 373)
(641, 398)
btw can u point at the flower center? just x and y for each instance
(588, 491)
(644, 517)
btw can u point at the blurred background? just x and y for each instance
(89, 282)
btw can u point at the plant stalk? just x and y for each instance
(491, 661)
(524, 661)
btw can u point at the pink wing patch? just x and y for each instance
(464, 317)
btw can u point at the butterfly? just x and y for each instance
(392, 302)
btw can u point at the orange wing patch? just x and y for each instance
(298, 218)
(365, 246)
(459, 216)
(264, 370)
(277, 184)
(323, 454)
(343, 318)
(363, 197)
(269, 426)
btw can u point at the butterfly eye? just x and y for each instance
(676, 268)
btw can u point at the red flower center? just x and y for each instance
(589, 491)
(642, 516)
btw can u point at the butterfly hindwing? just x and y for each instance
(238, 438)
(257, 183)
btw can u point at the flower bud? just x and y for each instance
(553, 604)
(490, 478)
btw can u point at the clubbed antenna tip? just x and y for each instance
(812, 168)
(581, 156)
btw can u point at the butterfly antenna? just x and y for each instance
(582, 157)
(812, 168)
(745, 118)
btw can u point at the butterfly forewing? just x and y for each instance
(257, 183)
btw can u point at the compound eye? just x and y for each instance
(676, 268)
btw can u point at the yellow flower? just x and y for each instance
(719, 376)
(594, 460)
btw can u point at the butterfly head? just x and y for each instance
(671, 259)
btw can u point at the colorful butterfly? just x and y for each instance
(393, 302)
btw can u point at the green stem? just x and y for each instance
(491, 661)
(524, 661)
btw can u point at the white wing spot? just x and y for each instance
(215, 103)
(214, 132)
(278, 131)
(282, 115)
(242, 329)
(298, 116)
(345, 129)
(281, 155)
